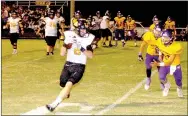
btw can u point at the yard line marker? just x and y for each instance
(125, 96)
(42, 110)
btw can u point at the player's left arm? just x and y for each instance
(21, 26)
(174, 28)
(88, 51)
(142, 46)
(86, 48)
(134, 25)
(61, 29)
(63, 50)
(160, 56)
(108, 22)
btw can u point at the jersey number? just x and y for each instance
(13, 24)
(77, 51)
(167, 57)
(52, 24)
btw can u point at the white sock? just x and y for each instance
(56, 102)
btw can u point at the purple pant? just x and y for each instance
(164, 70)
(149, 59)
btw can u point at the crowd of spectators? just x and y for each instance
(30, 16)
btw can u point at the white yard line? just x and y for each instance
(43, 111)
(125, 96)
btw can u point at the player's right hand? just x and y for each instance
(140, 58)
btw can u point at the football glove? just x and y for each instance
(140, 58)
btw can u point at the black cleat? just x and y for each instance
(52, 53)
(47, 53)
(51, 109)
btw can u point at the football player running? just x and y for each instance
(119, 24)
(13, 23)
(51, 30)
(150, 39)
(130, 26)
(169, 52)
(170, 24)
(77, 45)
(74, 20)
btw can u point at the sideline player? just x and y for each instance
(14, 22)
(170, 52)
(130, 29)
(77, 44)
(155, 22)
(150, 39)
(119, 24)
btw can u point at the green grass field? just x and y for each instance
(30, 79)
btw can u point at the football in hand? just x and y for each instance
(69, 45)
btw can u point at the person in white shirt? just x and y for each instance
(51, 25)
(77, 45)
(95, 27)
(14, 23)
(105, 31)
(61, 21)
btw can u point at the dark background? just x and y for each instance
(142, 11)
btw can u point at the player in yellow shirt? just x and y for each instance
(155, 22)
(170, 52)
(150, 39)
(119, 24)
(74, 20)
(170, 24)
(130, 26)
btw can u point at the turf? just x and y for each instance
(30, 79)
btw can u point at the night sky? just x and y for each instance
(142, 11)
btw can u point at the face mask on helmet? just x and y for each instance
(98, 13)
(118, 14)
(157, 32)
(51, 15)
(169, 19)
(166, 38)
(82, 30)
(77, 14)
(155, 21)
(14, 15)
